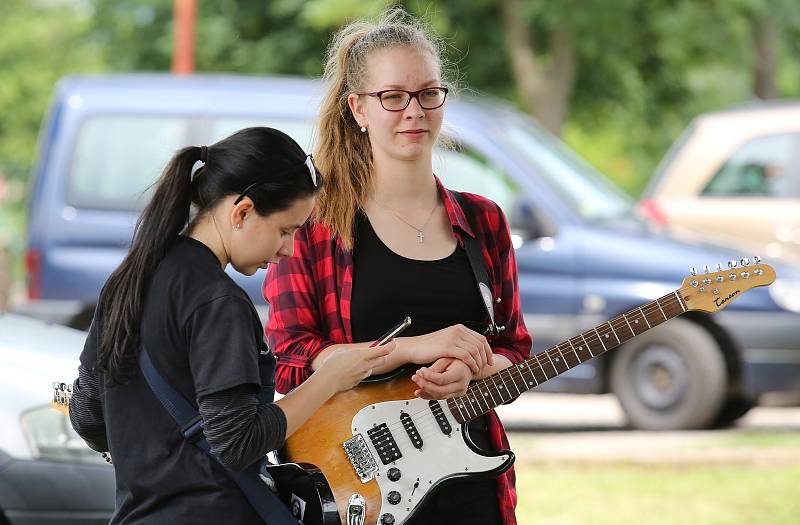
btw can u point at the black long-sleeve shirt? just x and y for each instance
(205, 339)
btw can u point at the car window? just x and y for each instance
(118, 157)
(765, 166)
(463, 168)
(299, 130)
(586, 190)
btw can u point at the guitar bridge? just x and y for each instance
(361, 458)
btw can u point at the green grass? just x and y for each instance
(763, 440)
(635, 495)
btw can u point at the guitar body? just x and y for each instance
(415, 444)
(305, 492)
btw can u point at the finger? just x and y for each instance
(466, 357)
(422, 394)
(470, 342)
(440, 365)
(489, 352)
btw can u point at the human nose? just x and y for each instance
(414, 108)
(287, 248)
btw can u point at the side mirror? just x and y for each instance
(529, 222)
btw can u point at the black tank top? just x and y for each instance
(387, 287)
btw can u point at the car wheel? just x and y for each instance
(671, 377)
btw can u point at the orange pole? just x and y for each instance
(184, 12)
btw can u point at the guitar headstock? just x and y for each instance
(713, 291)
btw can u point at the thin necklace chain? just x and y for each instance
(420, 231)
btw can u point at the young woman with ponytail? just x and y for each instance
(172, 297)
(387, 241)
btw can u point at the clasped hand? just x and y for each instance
(458, 354)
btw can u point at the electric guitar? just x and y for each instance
(383, 451)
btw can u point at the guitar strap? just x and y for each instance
(475, 255)
(271, 510)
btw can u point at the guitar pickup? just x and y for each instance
(441, 419)
(383, 441)
(411, 430)
(361, 458)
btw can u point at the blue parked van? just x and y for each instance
(583, 255)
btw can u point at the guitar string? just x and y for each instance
(650, 308)
(622, 322)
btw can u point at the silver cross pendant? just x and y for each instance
(420, 236)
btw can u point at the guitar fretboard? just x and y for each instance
(501, 387)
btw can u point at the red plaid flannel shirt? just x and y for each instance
(309, 296)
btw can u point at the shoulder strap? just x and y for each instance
(266, 504)
(475, 255)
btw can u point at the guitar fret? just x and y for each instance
(541, 368)
(490, 391)
(575, 352)
(601, 340)
(645, 317)
(456, 404)
(547, 362)
(567, 357)
(477, 399)
(511, 371)
(533, 376)
(680, 301)
(559, 359)
(587, 345)
(504, 390)
(629, 325)
(658, 302)
(614, 332)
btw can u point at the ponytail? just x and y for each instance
(157, 229)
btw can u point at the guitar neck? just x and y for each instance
(501, 387)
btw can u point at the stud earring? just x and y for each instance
(363, 129)
(238, 226)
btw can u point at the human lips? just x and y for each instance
(414, 132)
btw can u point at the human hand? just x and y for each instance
(455, 341)
(447, 377)
(345, 367)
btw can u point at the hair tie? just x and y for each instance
(203, 154)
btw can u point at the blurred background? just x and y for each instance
(626, 140)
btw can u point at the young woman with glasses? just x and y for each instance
(387, 241)
(172, 298)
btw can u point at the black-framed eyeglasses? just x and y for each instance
(399, 99)
(308, 166)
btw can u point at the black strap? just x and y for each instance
(265, 503)
(475, 255)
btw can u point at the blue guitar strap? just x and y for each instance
(271, 510)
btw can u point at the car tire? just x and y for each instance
(672, 377)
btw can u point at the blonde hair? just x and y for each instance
(342, 152)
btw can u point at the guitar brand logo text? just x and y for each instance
(719, 301)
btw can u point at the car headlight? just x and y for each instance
(786, 293)
(51, 437)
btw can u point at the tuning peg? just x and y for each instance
(731, 264)
(756, 259)
(719, 267)
(745, 261)
(693, 270)
(706, 268)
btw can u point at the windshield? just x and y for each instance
(583, 188)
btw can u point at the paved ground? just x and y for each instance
(548, 428)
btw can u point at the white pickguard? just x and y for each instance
(440, 457)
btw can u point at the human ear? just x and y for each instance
(357, 109)
(240, 212)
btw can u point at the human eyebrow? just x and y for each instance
(427, 84)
